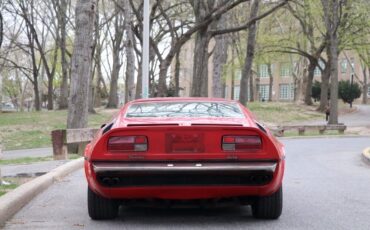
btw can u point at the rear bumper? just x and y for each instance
(149, 168)
(183, 180)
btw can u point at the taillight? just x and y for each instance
(241, 143)
(128, 144)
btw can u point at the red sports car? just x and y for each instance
(184, 149)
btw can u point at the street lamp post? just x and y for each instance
(145, 46)
(351, 92)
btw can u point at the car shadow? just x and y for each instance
(185, 216)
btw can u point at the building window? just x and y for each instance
(286, 92)
(352, 65)
(285, 70)
(238, 76)
(317, 71)
(343, 66)
(263, 71)
(263, 92)
(236, 92)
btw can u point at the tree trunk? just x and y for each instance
(325, 77)
(99, 76)
(303, 84)
(50, 93)
(117, 43)
(219, 60)
(200, 65)
(98, 89)
(271, 83)
(130, 56)
(113, 97)
(95, 48)
(247, 70)
(331, 18)
(200, 62)
(177, 75)
(309, 80)
(35, 75)
(81, 64)
(36, 93)
(1, 78)
(251, 88)
(232, 73)
(63, 98)
(365, 86)
(139, 81)
(91, 98)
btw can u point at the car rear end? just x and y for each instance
(184, 159)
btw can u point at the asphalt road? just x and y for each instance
(359, 118)
(326, 186)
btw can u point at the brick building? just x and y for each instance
(282, 72)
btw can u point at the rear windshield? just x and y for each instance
(184, 109)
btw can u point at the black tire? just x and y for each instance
(268, 207)
(101, 208)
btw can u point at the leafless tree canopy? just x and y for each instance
(224, 37)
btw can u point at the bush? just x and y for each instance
(347, 93)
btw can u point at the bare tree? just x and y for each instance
(1, 79)
(81, 64)
(1, 29)
(205, 33)
(61, 10)
(28, 13)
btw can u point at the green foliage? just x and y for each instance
(316, 90)
(348, 92)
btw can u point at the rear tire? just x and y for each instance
(101, 208)
(268, 207)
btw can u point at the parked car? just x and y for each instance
(8, 107)
(184, 149)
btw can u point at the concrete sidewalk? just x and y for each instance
(30, 170)
(39, 152)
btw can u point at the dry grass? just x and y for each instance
(279, 113)
(23, 130)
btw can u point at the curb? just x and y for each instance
(324, 136)
(366, 155)
(13, 201)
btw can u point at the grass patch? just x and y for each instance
(282, 113)
(24, 130)
(6, 188)
(25, 160)
(13, 183)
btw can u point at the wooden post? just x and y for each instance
(322, 130)
(341, 130)
(60, 151)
